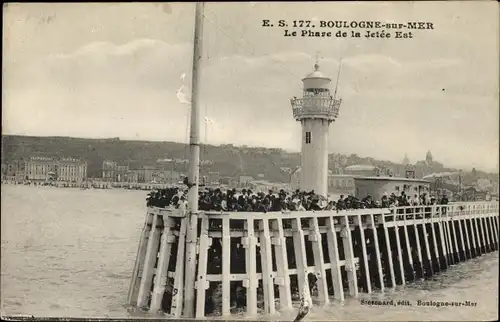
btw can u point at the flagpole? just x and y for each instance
(194, 169)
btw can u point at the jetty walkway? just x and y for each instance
(270, 257)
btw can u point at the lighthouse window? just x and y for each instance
(308, 137)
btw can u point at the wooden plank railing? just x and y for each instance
(262, 261)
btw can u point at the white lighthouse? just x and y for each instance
(315, 111)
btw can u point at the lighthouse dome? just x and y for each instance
(316, 79)
(316, 74)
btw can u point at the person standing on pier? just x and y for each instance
(402, 199)
(444, 201)
(385, 201)
(340, 203)
(416, 200)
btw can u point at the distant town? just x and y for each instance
(241, 167)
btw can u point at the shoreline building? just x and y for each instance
(14, 171)
(49, 168)
(158, 172)
(40, 168)
(113, 172)
(71, 170)
(151, 174)
(315, 111)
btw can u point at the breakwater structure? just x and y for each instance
(266, 258)
(193, 263)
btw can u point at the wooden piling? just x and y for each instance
(487, 231)
(449, 243)
(467, 239)
(437, 257)
(349, 265)
(365, 254)
(463, 247)
(389, 252)
(333, 251)
(377, 252)
(251, 283)
(467, 232)
(486, 236)
(470, 224)
(399, 250)
(495, 227)
(428, 269)
(161, 274)
(442, 238)
(479, 246)
(139, 260)
(283, 276)
(319, 260)
(178, 288)
(226, 267)
(456, 250)
(301, 259)
(149, 263)
(419, 268)
(490, 231)
(481, 234)
(409, 254)
(267, 267)
(494, 231)
(202, 283)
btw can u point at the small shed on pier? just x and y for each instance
(376, 186)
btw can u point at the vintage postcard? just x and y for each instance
(299, 161)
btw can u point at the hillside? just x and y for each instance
(228, 160)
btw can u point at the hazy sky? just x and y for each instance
(113, 70)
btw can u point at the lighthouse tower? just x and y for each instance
(315, 111)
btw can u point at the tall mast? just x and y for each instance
(194, 167)
(338, 77)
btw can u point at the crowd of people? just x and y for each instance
(249, 201)
(244, 200)
(404, 200)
